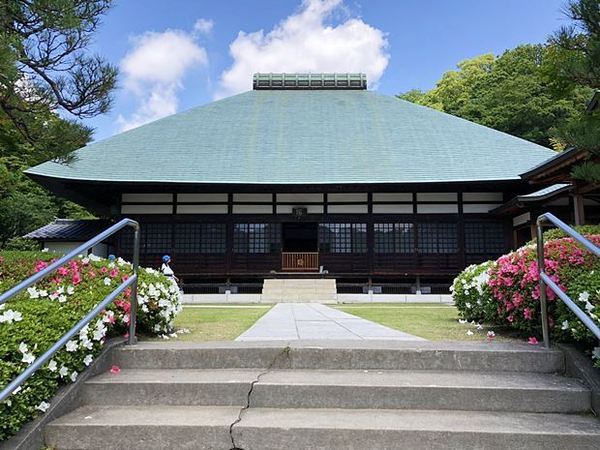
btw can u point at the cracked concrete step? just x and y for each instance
(343, 355)
(204, 428)
(337, 429)
(143, 428)
(500, 391)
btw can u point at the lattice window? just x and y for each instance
(484, 238)
(438, 238)
(394, 238)
(200, 238)
(256, 237)
(125, 241)
(157, 237)
(343, 237)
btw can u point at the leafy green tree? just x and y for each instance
(514, 93)
(46, 74)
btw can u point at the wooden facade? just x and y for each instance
(353, 235)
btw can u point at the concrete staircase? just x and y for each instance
(303, 290)
(331, 395)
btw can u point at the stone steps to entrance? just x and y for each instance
(331, 395)
(299, 290)
(502, 391)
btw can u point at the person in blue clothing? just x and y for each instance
(166, 268)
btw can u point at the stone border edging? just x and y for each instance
(67, 398)
(580, 366)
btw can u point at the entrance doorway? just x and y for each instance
(300, 247)
(300, 237)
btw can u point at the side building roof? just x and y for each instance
(69, 230)
(303, 136)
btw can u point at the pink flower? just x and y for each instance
(115, 370)
(76, 278)
(528, 314)
(125, 278)
(113, 273)
(104, 270)
(62, 271)
(532, 341)
(40, 265)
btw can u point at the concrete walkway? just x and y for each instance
(292, 321)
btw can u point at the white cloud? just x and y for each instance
(154, 69)
(303, 42)
(203, 26)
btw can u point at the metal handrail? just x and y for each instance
(131, 281)
(545, 280)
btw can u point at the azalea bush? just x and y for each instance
(513, 286)
(31, 322)
(472, 295)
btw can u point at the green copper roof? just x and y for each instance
(304, 137)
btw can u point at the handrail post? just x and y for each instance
(133, 299)
(542, 285)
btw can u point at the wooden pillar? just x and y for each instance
(579, 211)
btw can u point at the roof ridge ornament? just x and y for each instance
(309, 81)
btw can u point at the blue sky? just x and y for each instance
(177, 54)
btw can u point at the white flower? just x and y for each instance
(33, 293)
(565, 325)
(589, 307)
(83, 332)
(94, 257)
(43, 407)
(491, 334)
(63, 372)
(99, 332)
(23, 347)
(53, 296)
(88, 360)
(469, 333)
(107, 281)
(45, 250)
(462, 321)
(43, 293)
(85, 261)
(108, 316)
(62, 298)
(28, 358)
(73, 376)
(70, 290)
(479, 326)
(71, 346)
(60, 290)
(17, 390)
(11, 316)
(468, 305)
(584, 296)
(596, 353)
(52, 366)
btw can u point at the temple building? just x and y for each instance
(311, 175)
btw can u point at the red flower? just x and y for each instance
(532, 341)
(115, 370)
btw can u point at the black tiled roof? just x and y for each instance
(69, 230)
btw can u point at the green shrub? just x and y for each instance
(557, 233)
(31, 322)
(21, 244)
(472, 295)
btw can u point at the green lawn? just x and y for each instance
(217, 323)
(431, 321)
